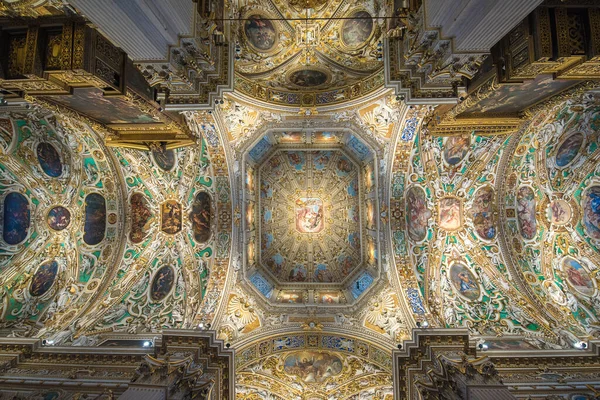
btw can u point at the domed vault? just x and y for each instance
(310, 206)
(309, 53)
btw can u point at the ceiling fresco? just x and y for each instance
(492, 229)
(313, 366)
(552, 214)
(323, 210)
(286, 53)
(306, 186)
(100, 240)
(310, 206)
(451, 223)
(312, 244)
(62, 219)
(317, 191)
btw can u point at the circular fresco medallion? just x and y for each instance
(58, 218)
(558, 212)
(308, 78)
(260, 32)
(357, 29)
(569, 149)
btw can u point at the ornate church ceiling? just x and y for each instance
(499, 230)
(317, 52)
(314, 247)
(496, 234)
(312, 239)
(310, 198)
(313, 366)
(310, 203)
(551, 226)
(107, 241)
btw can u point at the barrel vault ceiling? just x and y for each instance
(312, 239)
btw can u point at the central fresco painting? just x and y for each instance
(309, 205)
(171, 217)
(309, 215)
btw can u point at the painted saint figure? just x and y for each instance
(309, 215)
(162, 283)
(201, 217)
(464, 281)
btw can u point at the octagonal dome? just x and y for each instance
(310, 203)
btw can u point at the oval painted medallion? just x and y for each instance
(95, 219)
(260, 32)
(591, 211)
(58, 218)
(578, 277)
(201, 217)
(464, 281)
(141, 218)
(417, 213)
(558, 212)
(44, 278)
(456, 148)
(568, 150)
(49, 159)
(162, 283)
(165, 159)
(483, 214)
(17, 218)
